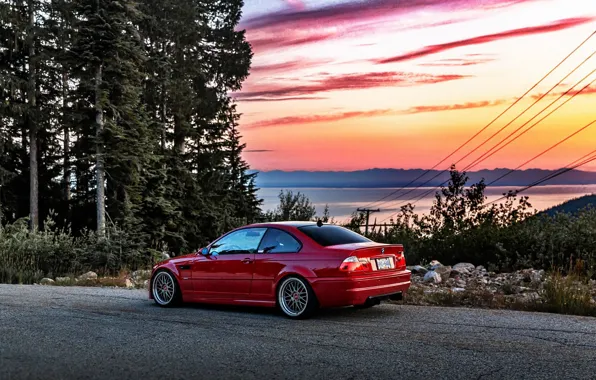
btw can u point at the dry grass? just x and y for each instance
(572, 294)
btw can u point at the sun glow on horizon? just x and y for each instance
(354, 85)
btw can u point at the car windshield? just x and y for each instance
(328, 235)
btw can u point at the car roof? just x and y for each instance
(296, 224)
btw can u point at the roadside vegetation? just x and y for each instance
(460, 227)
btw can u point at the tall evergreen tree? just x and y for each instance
(120, 113)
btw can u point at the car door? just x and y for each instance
(277, 250)
(226, 271)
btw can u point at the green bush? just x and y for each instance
(461, 227)
(26, 257)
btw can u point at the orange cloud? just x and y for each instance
(295, 120)
(589, 90)
(434, 49)
(454, 107)
(347, 82)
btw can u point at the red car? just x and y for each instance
(295, 266)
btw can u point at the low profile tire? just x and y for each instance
(296, 299)
(165, 289)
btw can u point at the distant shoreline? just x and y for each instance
(410, 178)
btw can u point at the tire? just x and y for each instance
(295, 298)
(165, 289)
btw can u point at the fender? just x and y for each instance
(299, 270)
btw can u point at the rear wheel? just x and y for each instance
(296, 298)
(165, 289)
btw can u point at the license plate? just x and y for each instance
(384, 263)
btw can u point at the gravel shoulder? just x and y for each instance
(49, 332)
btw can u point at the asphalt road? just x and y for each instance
(100, 333)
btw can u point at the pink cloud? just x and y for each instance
(262, 99)
(346, 82)
(296, 64)
(357, 11)
(296, 4)
(434, 49)
(300, 26)
(469, 60)
(588, 91)
(297, 120)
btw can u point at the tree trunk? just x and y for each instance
(66, 140)
(179, 136)
(32, 127)
(100, 175)
(162, 114)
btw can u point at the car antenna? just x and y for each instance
(319, 223)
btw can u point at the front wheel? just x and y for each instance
(296, 298)
(166, 291)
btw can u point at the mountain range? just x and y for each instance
(377, 178)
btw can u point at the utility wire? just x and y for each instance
(475, 163)
(548, 177)
(543, 152)
(484, 157)
(489, 124)
(517, 117)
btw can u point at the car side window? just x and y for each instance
(278, 241)
(238, 242)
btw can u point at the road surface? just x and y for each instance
(51, 332)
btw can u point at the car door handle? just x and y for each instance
(247, 261)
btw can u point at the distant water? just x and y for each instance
(342, 201)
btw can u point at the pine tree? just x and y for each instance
(109, 53)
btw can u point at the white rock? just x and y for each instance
(62, 280)
(444, 272)
(87, 276)
(128, 283)
(466, 267)
(433, 277)
(46, 281)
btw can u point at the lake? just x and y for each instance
(343, 201)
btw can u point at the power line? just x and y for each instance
(506, 125)
(548, 177)
(489, 124)
(543, 152)
(484, 157)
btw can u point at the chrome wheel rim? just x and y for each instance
(293, 297)
(163, 288)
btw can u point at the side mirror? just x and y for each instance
(204, 251)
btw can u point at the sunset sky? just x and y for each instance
(349, 85)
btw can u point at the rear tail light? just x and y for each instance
(354, 264)
(400, 261)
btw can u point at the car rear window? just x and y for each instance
(329, 235)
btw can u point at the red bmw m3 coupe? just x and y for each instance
(297, 267)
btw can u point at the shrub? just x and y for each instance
(26, 257)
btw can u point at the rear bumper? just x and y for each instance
(342, 291)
